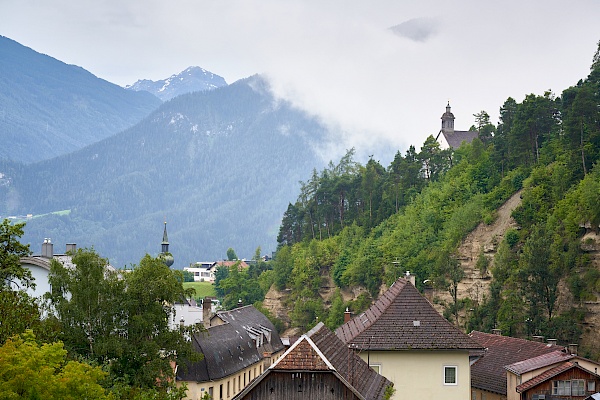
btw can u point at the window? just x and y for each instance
(575, 387)
(591, 386)
(473, 395)
(450, 375)
(376, 368)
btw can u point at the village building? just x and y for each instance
(204, 271)
(318, 366)
(405, 339)
(448, 137)
(238, 345)
(519, 369)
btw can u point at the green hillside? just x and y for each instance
(363, 226)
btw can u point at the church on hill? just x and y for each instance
(450, 138)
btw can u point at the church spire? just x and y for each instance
(165, 255)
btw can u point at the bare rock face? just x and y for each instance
(485, 237)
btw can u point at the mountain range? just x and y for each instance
(192, 79)
(49, 108)
(220, 166)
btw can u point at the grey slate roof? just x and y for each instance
(232, 346)
(402, 319)
(226, 349)
(456, 138)
(320, 350)
(252, 320)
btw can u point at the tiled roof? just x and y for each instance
(321, 350)
(402, 319)
(456, 138)
(543, 377)
(250, 319)
(232, 346)
(227, 349)
(538, 362)
(488, 372)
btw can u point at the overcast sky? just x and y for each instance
(337, 59)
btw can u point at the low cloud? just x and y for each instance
(417, 29)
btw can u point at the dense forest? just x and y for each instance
(363, 226)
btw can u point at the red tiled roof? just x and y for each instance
(303, 356)
(544, 376)
(538, 362)
(402, 319)
(488, 372)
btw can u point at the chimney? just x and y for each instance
(47, 248)
(410, 277)
(71, 248)
(573, 349)
(347, 315)
(206, 311)
(552, 342)
(538, 338)
(497, 331)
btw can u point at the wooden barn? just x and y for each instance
(318, 366)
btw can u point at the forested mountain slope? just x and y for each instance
(219, 165)
(49, 108)
(362, 226)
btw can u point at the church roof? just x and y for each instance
(402, 319)
(456, 138)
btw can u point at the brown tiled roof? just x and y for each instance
(304, 356)
(402, 319)
(538, 362)
(488, 372)
(565, 366)
(455, 139)
(321, 350)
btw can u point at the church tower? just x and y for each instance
(165, 255)
(448, 121)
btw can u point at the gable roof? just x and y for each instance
(456, 138)
(255, 324)
(402, 319)
(227, 349)
(488, 373)
(320, 350)
(538, 362)
(543, 377)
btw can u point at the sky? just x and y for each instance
(378, 71)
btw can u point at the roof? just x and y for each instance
(488, 372)
(402, 319)
(456, 138)
(543, 377)
(538, 362)
(320, 350)
(232, 346)
(227, 349)
(255, 323)
(241, 263)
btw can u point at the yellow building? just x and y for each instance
(407, 341)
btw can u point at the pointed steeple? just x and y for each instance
(165, 255)
(165, 241)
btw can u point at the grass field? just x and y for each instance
(203, 289)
